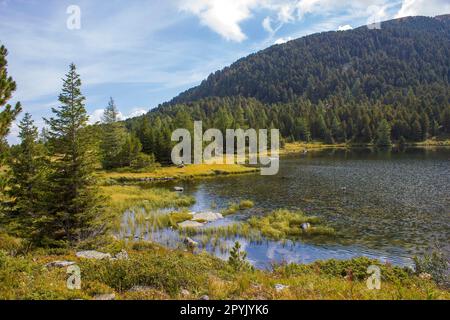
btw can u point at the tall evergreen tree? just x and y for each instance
(113, 137)
(9, 113)
(74, 208)
(7, 87)
(384, 134)
(27, 184)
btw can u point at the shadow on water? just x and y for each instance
(386, 204)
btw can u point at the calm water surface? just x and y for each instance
(387, 205)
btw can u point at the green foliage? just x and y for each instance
(237, 259)
(283, 224)
(384, 134)
(28, 171)
(113, 137)
(7, 88)
(437, 265)
(246, 204)
(74, 209)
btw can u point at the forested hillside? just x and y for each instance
(358, 64)
(358, 86)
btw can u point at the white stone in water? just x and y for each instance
(190, 224)
(207, 216)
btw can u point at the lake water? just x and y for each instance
(388, 205)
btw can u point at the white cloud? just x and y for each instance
(97, 115)
(222, 16)
(282, 40)
(423, 7)
(267, 25)
(345, 27)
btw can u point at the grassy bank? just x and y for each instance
(175, 173)
(154, 272)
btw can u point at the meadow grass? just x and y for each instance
(278, 225)
(161, 273)
(174, 173)
(235, 207)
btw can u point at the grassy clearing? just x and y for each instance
(154, 272)
(121, 198)
(174, 173)
(295, 147)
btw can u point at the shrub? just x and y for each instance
(437, 265)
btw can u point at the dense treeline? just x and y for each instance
(409, 117)
(359, 86)
(365, 64)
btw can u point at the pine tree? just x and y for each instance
(74, 206)
(384, 134)
(7, 87)
(28, 169)
(237, 259)
(113, 137)
(9, 113)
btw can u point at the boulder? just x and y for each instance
(185, 293)
(190, 224)
(92, 254)
(207, 216)
(60, 264)
(122, 255)
(178, 189)
(204, 298)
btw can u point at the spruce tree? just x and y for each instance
(75, 210)
(28, 169)
(7, 87)
(7, 112)
(113, 137)
(384, 134)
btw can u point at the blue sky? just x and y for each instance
(143, 53)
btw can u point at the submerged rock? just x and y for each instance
(207, 216)
(92, 254)
(190, 224)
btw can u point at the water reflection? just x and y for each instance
(386, 204)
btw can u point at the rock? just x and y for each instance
(140, 289)
(190, 224)
(122, 255)
(204, 298)
(105, 297)
(305, 226)
(207, 216)
(190, 243)
(185, 293)
(425, 276)
(59, 264)
(178, 189)
(280, 287)
(92, 254)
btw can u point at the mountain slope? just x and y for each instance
(369, 64)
